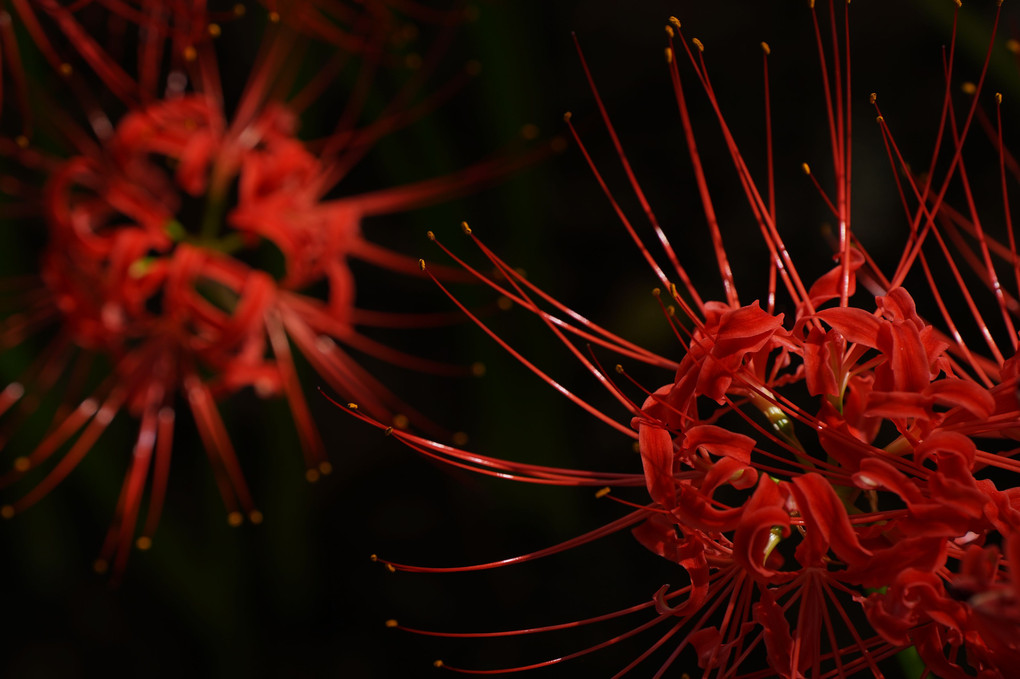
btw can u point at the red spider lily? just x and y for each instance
(837, 483)
(172, 299)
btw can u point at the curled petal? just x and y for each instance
(970, 396)
(657, 457)
(826, 523)
(719, 442)
(762, 523)
(856, 325)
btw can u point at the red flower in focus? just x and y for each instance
(837, 483)
(156, 229)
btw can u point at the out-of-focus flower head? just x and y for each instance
(836, 482)
(193, 241)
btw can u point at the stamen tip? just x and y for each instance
(602, 492)
(391, 623)
(676, 22)
(567, 116)
(235, 518)
(465, 228)
(697, 43)
(873, 97)
(143, 543)
(765, 48)
(998, 97)
(437, 663)
(431, 236)
(421, 264)
(968, 87)
(352, 406)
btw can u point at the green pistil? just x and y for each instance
(775, 537)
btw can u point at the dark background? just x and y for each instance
(298, 595)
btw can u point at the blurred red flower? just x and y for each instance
(158, 228)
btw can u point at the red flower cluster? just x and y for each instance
(838, 483)
(160, 226)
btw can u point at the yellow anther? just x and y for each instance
(274, 17)
(873, 97)
(235, 518)
(391, 623)
(602, 492)
(325, 468)
(567, 116)
(143, 543)
(879, 120)
(421, 264)
(255, 516)
(190, 53)
(998, 97)
(676, 22)
(239, 10)
(465, 228)
(656, 292)
(352, 406)
(618, 368)
(214, 30)
(391, 568)
(1013, 45)
(431, 236)
(312, 475)
(437, 663)
(765, 48)
(669, 55)
(388, 431)
(698, 44)
(811, 4)
(806, 168)
(669, 32)
(968, 87)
